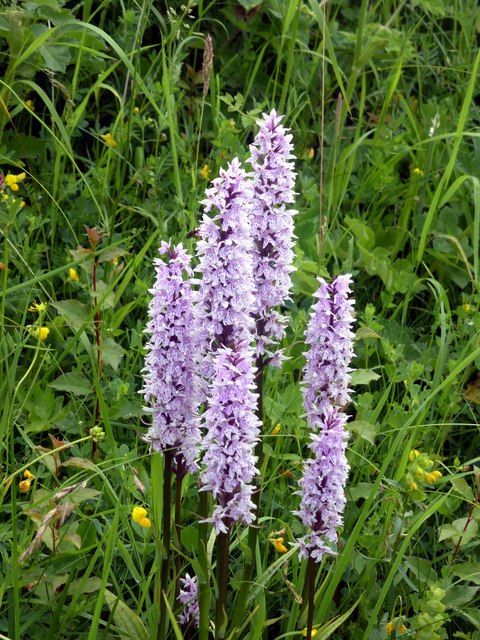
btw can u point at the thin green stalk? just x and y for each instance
(177, 531)
(203, 581)
(165, 568)
(311, 573)
(223, 553)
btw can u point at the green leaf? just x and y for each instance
(74, 312)
(74, 383)
(366, 332)
(361, 491)
(55, 56)
(127, 621)
(468, 571)
(364, 236)
(112, 353)
(363, 376)
(364, 429)
(456, 531)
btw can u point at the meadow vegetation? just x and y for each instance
(109, 136)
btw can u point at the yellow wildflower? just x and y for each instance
(205, 172)
(390, 628)
(429, 478)
(136, 110)
(417, 172)
(278, 544)
(24, 485)
(311, 153)
(12, 180)
(314, 633)
(109, 140)
(466, 307)
(413, 486)
(38, 307)
(276, 429)
(139, 515)
(29, 104)
(436, 475)
(22, 204)
(413, 454)
(73, 275)
(41, 333)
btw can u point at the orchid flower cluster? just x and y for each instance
(213, 329)
(325, 393)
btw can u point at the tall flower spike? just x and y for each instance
(169, 384)
(225, 299)
(326, 373)
(325, 392)
(272, 230)
(232, 431)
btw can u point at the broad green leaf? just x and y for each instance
(365, 429)
(366, 332)
(74, 312)
(74, 383)
(112, 353)
(458, 530)
(363, 376)
(468, 571)
(127, 621)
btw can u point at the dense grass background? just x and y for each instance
(383, 102)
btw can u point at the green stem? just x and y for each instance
(165, 573)
(203, 582)
(311, 572)
(223, 552)
(177, 531)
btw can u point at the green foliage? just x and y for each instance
(102, 107)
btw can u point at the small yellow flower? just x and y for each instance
(436, 475)
(466, 307)
(417, 172)
(24, 485)
(413, 454)
(314, 633)
(278, 544)
(205, 172)
(429, 478)
(413, 486)
(136, 110)
(139, 515)
(38, 307)
(109, 140)
(403, 629)
(390, 628)
(41, 333)
(311, 153)
(12, 180)
(73, 275)
(276, 429)
(22, 204)
(29, 104)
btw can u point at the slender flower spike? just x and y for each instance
(169, 384)
(326, 373)
(188, 596)
(272, 229)
(232, 431)
(225, 299)
(325, 392)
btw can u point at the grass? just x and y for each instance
(382, 102)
